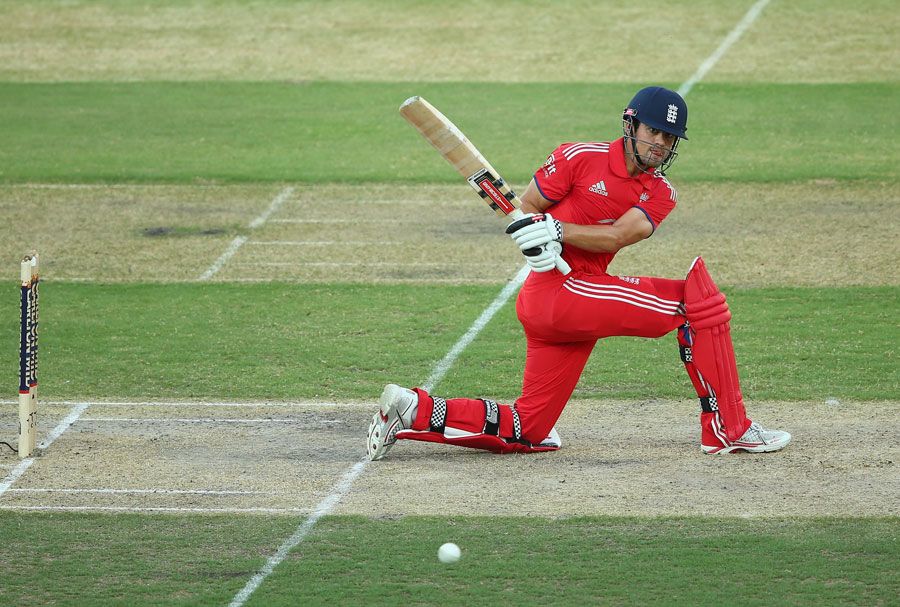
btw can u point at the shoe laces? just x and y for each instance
(757, 432)
(764, 435)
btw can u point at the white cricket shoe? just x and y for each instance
(552, 440)
(397, 410)
(755, 440)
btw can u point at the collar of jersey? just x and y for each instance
(617, 162)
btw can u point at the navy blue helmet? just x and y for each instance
(660, 108)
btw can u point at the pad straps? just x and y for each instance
(707, 351)
(438, 415)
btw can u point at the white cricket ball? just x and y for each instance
(449, 553)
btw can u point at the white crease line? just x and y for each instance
(344, 484)
(223, 258)
(125, 403)
(279, 200)
(198, 420)
(157, 509)
(239, 241)
(444, 365)
(323, 243)
(23, 465)
(142, 491)
(369, 264)
(324, 507)
(726, 44)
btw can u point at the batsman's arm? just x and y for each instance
(533, 201)
(633, 226)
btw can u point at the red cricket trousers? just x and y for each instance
(563, 317)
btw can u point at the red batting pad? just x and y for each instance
(712, 350)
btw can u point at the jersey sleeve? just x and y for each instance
(554, 178)
(662, 199)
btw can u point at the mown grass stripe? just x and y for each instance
(729, 40)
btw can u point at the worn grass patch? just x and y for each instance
(133, 233)
(816, 41)
(430, 41)
(804, 234)
(814, 233)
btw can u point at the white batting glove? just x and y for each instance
(535, 230)
(546, 260)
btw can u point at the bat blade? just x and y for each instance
(456, 149)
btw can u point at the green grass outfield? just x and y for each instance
(117, 93)
(511, 561)
(351, 132)
(289, 341)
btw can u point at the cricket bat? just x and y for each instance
(467, 160)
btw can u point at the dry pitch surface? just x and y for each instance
(265, 458)
(357, 40)
(619, 458)
(633, 459)
(810, 234)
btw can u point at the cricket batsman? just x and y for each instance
(594, 199)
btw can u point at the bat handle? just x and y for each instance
(561, 264)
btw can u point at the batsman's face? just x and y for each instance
(653, 146)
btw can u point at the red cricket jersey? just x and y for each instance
(589, 185)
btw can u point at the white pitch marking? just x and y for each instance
(368, 264)
(726, 44)
(444, 365)
(279, 200)
(323, 243)
(142, 491)
(344, 484)
(239, 241)
(157, 509)
(25, 464)
(324, 507)
(223, 258)
(187, 403)
(194, 420)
